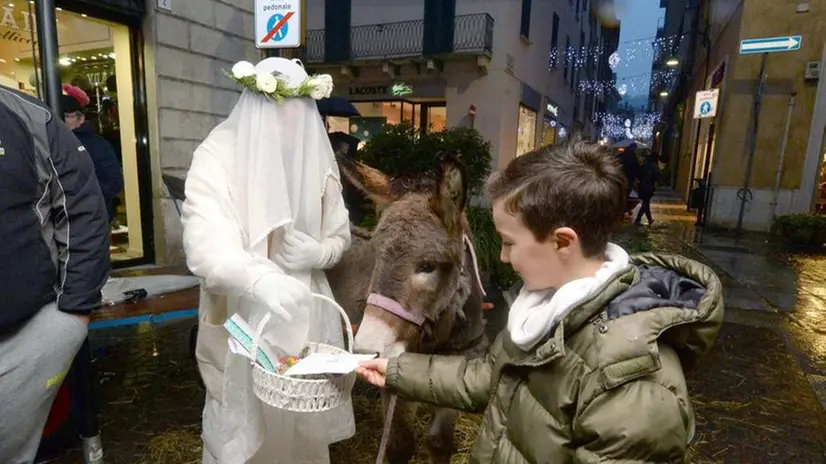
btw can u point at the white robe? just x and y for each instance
(266, 167)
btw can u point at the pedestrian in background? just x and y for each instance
(107, 168)
(649, 175)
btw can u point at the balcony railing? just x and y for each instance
(472, 33)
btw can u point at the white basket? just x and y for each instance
(307, 395)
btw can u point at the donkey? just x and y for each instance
(413, 284)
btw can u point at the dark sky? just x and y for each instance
(638, 29)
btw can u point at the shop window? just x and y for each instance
(96, 56)
(411, 114)
(548, 132)
(18, 49)
(436, 118)
(374, 115)
(526, 131)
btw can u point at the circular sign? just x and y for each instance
(281, 33)
(705, 108)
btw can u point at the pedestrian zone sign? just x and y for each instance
(705, 105)
(278, 23)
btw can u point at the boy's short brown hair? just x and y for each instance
(578, 185)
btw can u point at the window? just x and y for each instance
(525, 26)
(566, 59)
(17, 50)
(554, 57)
(576, 10)
(526, 131)
(548, 131)
(436, 118)
(376, 114)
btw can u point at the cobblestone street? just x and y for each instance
(755, 394)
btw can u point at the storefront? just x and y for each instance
(526, 128)
(100, 51)
(420, 104)
(550, 123)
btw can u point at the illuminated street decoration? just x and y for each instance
(614, 60)
(640, 126)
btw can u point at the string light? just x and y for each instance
(640, 126)
(625, 54)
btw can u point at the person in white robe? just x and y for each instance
(263, 217)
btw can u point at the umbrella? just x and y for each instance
(337, 106)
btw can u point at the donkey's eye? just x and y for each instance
(426, 268)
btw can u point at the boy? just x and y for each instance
(590, 367)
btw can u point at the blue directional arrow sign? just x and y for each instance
(788, 43)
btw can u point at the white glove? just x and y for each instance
(282, 294)
(301, 252)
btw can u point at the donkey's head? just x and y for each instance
(417, 284)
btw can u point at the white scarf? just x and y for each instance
(533, 314)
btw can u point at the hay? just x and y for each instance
(364, 446)
(175, 447)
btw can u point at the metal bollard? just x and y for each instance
(92, 450)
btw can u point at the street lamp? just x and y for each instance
(673, 62)
(664, 93)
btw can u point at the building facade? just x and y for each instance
(671, 71)
(784, 173)
(511, 69)
(153, 70)
(154, 79)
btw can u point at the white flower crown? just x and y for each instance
(277, 88)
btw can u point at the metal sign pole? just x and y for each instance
(47, 46)
(744, 193)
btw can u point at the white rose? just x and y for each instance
(243, 69)
(322, 86)
(266, 82)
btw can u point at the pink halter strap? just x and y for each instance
(394, 307)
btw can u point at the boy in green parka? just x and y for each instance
(591, 365)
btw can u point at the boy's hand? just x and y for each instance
(373, 371)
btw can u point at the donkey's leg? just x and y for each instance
(440, 444)
(402, 443)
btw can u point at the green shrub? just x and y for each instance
(488, 245)
(401, 149)
(806, 231)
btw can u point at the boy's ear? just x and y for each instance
(564, 238)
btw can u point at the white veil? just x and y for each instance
(279, 159)
(282, 158)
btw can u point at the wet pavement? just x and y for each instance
(759, 395)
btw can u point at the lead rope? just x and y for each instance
(385, 433)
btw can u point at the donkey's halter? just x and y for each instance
(394, 307)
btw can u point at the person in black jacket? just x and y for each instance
(649, 174)
(54, 261)
(107, 168)
(631, 169)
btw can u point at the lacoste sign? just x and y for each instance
(399, 89)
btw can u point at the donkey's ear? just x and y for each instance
(370, 181)
(451, 196)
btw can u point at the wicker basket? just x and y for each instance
(307, 395)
